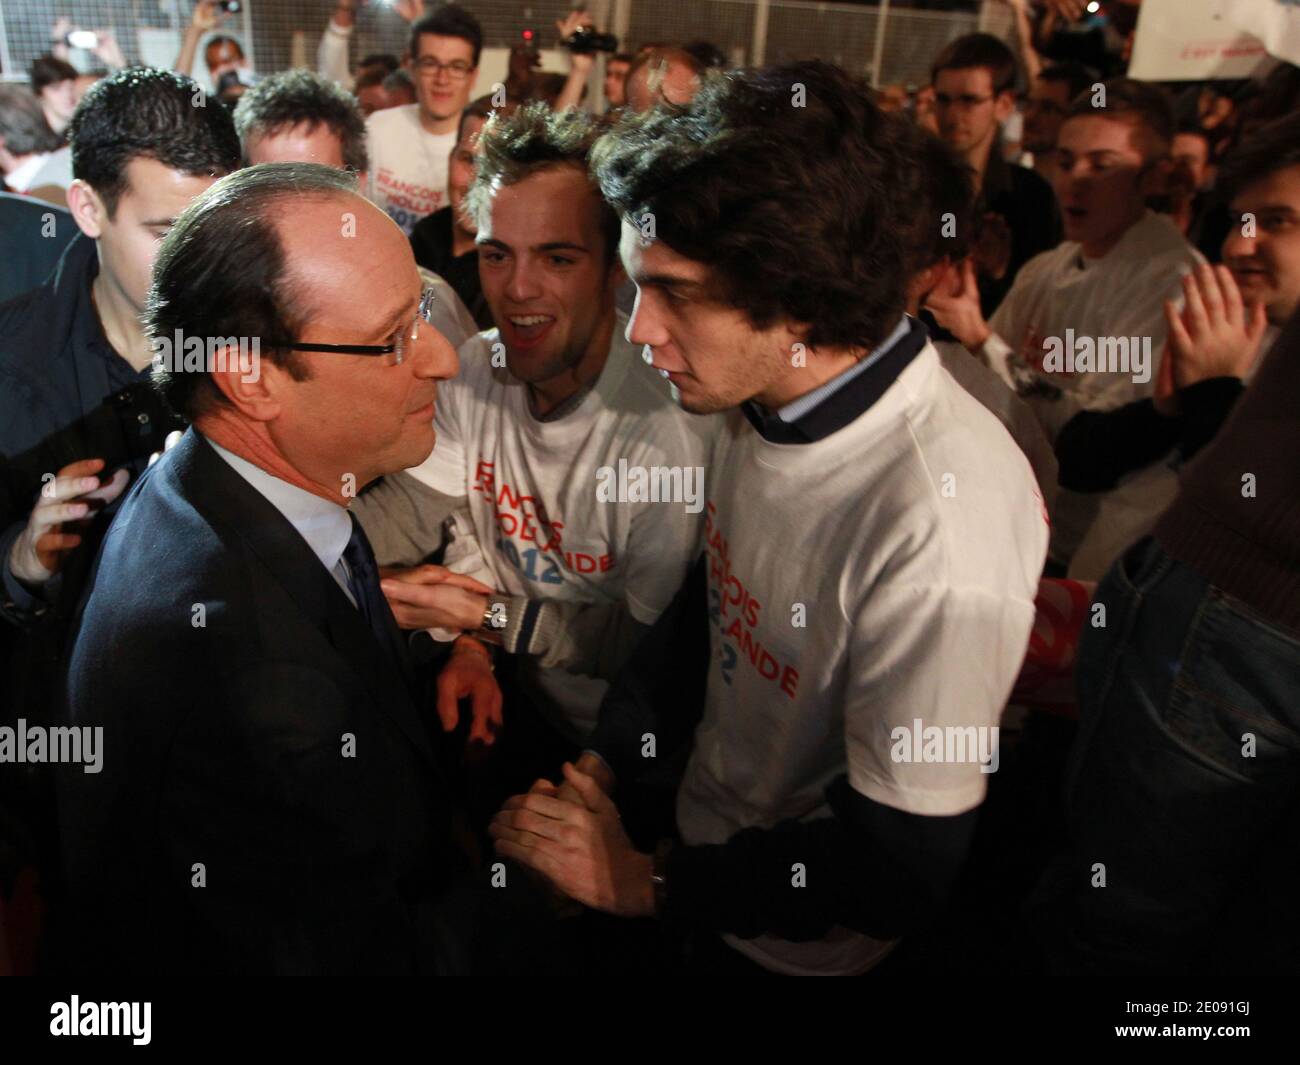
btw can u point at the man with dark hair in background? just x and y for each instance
(845, 594)
(615, 83)
(32, 159)
(54, 83)
(444, 241)
(297, 116)
(410, 145)
(1103, 290)
(1049, 98)
(77, 414)
(1015, 213)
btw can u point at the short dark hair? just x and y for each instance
(22, 122)
(222, 38)
(144, 112)
(979, 50)
(49, 70)
(944, 203)
(620, 57)
(290, 97)
(532, 139)
(385, 61)
(1268, 149)
(450, 20)
(398, 80)
(221, 272)
(1139, 104)
(794, 209)
(1075, 76)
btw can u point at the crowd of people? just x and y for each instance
(532, 532)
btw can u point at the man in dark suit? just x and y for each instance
(270, 797)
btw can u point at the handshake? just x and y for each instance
(571, 835)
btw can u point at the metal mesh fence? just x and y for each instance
(282, 33)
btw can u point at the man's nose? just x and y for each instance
(435, 355)
(522, 284)
(644, 327)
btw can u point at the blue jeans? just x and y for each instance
(1181, 789)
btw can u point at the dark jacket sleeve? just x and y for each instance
(661, 689)
(868, 867)
(1096, 448)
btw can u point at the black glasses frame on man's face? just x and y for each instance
(396, 351)
(457, 69)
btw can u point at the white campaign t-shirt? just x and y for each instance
(1012, 411)
(408, 165)
(537, 527)
(882, 575)
(1120, 295)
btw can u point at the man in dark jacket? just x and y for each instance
(270, 798)
(77, 415)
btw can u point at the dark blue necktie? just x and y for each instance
(363, 580)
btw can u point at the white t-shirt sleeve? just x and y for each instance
(332, 55)
(940, 656)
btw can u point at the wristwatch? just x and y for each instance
(496, 615)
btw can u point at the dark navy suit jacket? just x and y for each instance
(270, 799)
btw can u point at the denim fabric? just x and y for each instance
(1182, 783)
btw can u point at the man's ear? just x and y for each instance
(925, 281)
(88, 210)
(1004, 105)
(254, 386)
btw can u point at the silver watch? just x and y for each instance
(496, 615)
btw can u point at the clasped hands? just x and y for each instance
(571, 835)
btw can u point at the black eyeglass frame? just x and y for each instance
(428, 295)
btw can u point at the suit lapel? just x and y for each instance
(223, 495)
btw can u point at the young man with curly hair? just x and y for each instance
(873, 544)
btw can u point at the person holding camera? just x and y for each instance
(228, 66)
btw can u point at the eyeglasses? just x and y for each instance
(966, 102)
(393, 353)
(457, 69)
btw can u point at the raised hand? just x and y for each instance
(1215, 335)
(71, 497)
